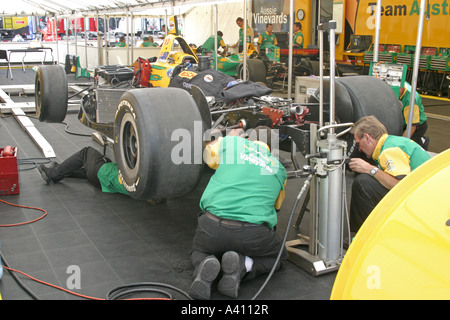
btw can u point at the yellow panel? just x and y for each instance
(402, 251)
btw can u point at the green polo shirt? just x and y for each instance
(110, 180)
(419, 110)
(241, 35)
(298, 40)
(265, 39)
(209, 43)
(398, 156)
(247, 183)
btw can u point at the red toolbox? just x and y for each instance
(9, 175)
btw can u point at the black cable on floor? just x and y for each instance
(19, 282)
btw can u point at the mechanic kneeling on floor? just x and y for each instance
(239, 215)
(395, 156)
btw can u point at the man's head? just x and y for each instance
(240, 22)
(297, 26)
(220, 33)
(367, 131)
(269, 28)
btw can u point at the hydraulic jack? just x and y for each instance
(322, 250)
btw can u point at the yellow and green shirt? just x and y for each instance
(398, 156)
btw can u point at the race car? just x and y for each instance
(156, 123)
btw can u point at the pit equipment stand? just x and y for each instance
(322, 251)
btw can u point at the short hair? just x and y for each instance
(220, 33)
(269, 24)
(370, 125)
(298, 24)
(239, 19)
(263, 134)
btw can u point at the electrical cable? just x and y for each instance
(19, 282)
(26, 207)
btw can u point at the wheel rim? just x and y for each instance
(129, 143)
(38, 98)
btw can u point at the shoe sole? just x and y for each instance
(230, 282)
(201, 286)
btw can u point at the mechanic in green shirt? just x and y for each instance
(208, 46)
(248, 36)
(419, 124)
(121, 42)
(90, 164)
(395, 157)
(238, 219)
(298, 36)
(148, 42)
(267, 38)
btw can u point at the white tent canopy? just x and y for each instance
(103, 7)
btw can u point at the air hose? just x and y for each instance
(299, 196)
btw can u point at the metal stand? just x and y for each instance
(322, 251)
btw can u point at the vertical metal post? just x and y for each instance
(377, 31)
(416, 68)
(244, 35)
(291, 36)
(320, 28)
(86, 22)
(332, 26)
(215, 34)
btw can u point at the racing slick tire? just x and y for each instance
(51, 93)
(256, 70)
(360, 96)
(151, 127)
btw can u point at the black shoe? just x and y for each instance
(44, 171)
(233, 267)
(204, 275)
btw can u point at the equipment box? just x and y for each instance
(9, 175)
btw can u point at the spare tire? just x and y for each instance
(155, 147)
(51, 93)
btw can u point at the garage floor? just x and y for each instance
(114, 240)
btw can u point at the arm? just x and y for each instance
(281, 197)
(361, 166)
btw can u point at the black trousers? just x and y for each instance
(83, 164)
(366, 193)
(258, 242)
(421, 129)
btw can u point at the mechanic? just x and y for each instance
(238, 218)
(90, 164)
(266, 38)
(208, 46)
(240, 43)
(395, 156)
(298, 36)
(419, 125)
(121, 42)
(149, 42)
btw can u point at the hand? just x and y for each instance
(360, 166)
